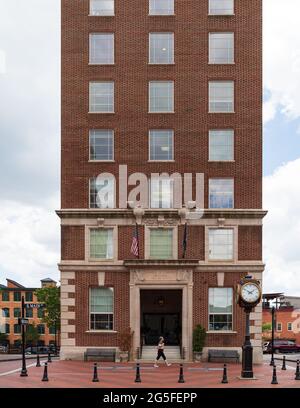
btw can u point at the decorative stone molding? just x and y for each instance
(221, 222)
(138, 213)
(100, 222)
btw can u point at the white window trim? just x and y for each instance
(209, 44)
(149, 147)
(232, 314)
(221, 178)
(149, 48)
(113, 313)
(87, 244)
(149, 99)
(279, 330)
(221, 15)
(233, 147)
(114, 101)
(234, 97)
(235, 245)
(113, 150)
(100, 15)
(114, 48)
(162, 15)
(290, 323)
(115, 196)
(147, 240)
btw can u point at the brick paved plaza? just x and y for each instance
(78, 374)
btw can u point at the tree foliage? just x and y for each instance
(50, 296)
(32, 335)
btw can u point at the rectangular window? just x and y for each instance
(161, 145)
(102, 192)
(290, 327)
(161, 96)
(29, 313)
(17, 328)
(41, 328)
(5, 296)
(161, 48)
(5, 312)
(28, 296)
(7, 328)
(101, 308)
(221, 48)
(279, 327)
(101, 145)
(101, 243)
(221, 145)
(161, 243)
(17, 312)
(220, 308)
(221, 7)
(161, 193)
(161, 7)
(40, 312)
(101, 97)
(17, 296)
(102, 7)
(102, 49)
(221, 96)
(220, 244)
(221, 193)
(52, 330)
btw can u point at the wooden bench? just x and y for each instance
(221, 356)
(100, 354)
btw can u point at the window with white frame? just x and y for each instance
(102, 48)
(161, 7)
(221, 193)
(220, 244)
(101, 97)
(102, 192)
(161, 96)
(101, 144)
(101, 243)
(161, 192)
(161, 243)
(221, 7)
(221, 145)
(279, 327)
(220, 308)
(290, 326)
(221, 96)
(221, 48)
(161, 48)
(101, 308)
(102, 7)
(161, 144)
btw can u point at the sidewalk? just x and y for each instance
(78, 374)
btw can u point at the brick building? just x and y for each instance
(10, 308)
(160, 86)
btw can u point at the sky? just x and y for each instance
(30, 137)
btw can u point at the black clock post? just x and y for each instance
(247, 356)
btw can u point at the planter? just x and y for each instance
(198, 356)
(124, 356)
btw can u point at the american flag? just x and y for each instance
(135, 242)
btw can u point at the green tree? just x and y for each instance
(31, 335)
(50, 296)
(3, 338)
(199, 336)
(266, 327)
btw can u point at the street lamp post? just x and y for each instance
(273, 335)
(247, 360)
(24, 369)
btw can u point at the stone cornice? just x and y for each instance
(154, 213)
(146, 263)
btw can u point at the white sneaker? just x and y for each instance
(169, 364)
(155, 365)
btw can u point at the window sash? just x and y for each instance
(17, 312)
(102, 7)
(221, 48)
(17, 328)
(221, 96)
(221, 145)
(161, 96)
(161, 193)
(5, 296)
(41, 328)
(221, 7)
(101, 97)
(5, 312)
(104, 199)
(161, 7)
(101, 50)
(161, 243)
(221, 193)
(221, 244)
(101, 308)
(17, 296)
(28, 297)
(161, 48)
(161, 144)
(101, 243)
(220, 308)
(101, 144)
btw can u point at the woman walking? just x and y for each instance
(160, 352)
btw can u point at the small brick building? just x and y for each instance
(161, 86)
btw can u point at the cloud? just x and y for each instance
(282, 229)
(282, 58)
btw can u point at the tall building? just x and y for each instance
(10, 311)
(160, 86)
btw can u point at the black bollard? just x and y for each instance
(138, 374)
(297, 374)
(181, 378)
(274, 377)
(283, 364)
(225, 379)
(95, 376)
(38, 364)
(49, 358)
(45, 375)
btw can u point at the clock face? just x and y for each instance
(250, 293)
